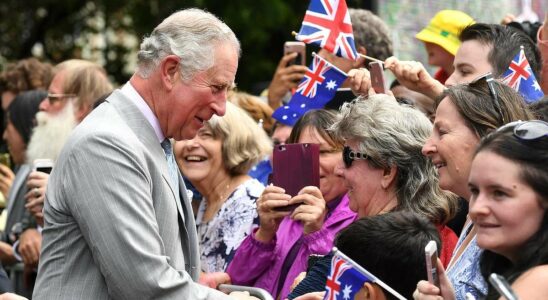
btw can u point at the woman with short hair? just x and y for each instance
(216, 162)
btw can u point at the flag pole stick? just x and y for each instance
(293, 33)
(371, 58)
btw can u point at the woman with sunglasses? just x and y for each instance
(508, 205)
(385, 171)
(275, 253)
(464, 115)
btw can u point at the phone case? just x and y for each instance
(296, 166)
(377, 78)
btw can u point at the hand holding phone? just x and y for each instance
(43, 165)
(378, 81)
(294, 167)
(296, 47)
(431, 255)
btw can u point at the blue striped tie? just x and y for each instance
(172, 167)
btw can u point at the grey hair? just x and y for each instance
(393, 135)
(372, 33)
(192, 35)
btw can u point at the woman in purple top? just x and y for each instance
(276, 252)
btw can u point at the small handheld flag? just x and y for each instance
(318, 86)
(347, 278)
(327, 24)
(521, 78)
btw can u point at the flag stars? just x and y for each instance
(303, 105)
(331, 84)
(347, 291)
(536, 86)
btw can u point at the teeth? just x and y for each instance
(194, 158)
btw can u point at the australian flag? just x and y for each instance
(318, 86)
(347, 278)
(344, 281)
(520, 77)
(327, 24)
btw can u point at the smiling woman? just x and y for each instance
(216, 162)
(464, 115)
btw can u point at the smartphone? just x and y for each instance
(431, 255)
(502, 286)
(377, 78)
(5, 159)
(300, 48)
(295, 166)
(43, 165)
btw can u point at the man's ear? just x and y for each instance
(360, 62)
(169, 68)
(389, 176)
(373, 292)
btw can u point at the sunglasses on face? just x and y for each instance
(528, 130)
(349, 156)
(54, 98)
(488, 78)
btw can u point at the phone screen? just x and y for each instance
(46, 170)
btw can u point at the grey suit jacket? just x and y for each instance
(113, 227)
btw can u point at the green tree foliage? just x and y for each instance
(99, 30)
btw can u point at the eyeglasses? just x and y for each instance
(528, 130)
(349, 156)
(491, 85)
(54, 98)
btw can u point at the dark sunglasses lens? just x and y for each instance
(346, 157)
(531, 130)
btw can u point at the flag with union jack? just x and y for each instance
(344, 281)
(318, 86)
(327, 24)
(521, 78)
(347, 278)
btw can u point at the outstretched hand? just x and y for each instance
(414, 76)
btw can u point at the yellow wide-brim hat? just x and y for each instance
(444, 29)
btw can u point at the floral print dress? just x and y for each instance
(222, 235)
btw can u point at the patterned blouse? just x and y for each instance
(222, 235)
(464, 273)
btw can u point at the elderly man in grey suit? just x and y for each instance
(118, 223)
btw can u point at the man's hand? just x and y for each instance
(213, 280)
(285, 78)
(36, 183)
(30, 243)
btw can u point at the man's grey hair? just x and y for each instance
(393, 135)
(191, 34)
(372, 33)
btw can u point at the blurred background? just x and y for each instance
(109, 32)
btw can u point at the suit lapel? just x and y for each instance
(142, 128)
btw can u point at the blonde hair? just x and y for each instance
(87, 80)
(256, 108)
(244, 142)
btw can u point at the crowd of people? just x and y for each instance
(161, 187)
